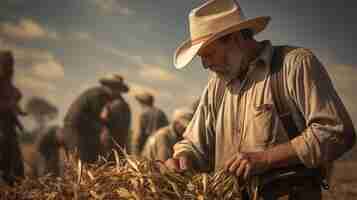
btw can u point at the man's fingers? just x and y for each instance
(172, 164)
(241, 168)
(234, 166)
(234, 159)
(229, 163)
(247, 171)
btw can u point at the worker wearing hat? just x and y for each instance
(11, 162)
(238, 126)
(150, 119)
(88, 116)
(159, 146)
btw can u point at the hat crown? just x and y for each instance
(113, 77)
(213, 17)
(116, 77)
(114, 81)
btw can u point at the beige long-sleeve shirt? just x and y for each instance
(243, 118)
(150, 120)
(159, 146)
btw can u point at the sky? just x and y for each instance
(63, 47)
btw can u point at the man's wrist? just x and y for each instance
(282, 155)
(267, 160)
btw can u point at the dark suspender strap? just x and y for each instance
(278, 87)
(295, 174)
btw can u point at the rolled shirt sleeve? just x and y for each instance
(199, 137)
(330, 131)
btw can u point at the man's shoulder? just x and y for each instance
(160, 134)
(95, 91)
(293, 57)
(299, 52)
(164, 130)
(293, 53)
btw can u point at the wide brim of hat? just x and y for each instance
(142, 99)
(120, 86)
(187, 51)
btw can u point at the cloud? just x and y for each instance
(152, 72)
(50, 70)
(26, 29)
(37, 63)
(33, 85)
(112, 7)
(82, 36)
(146, 70)
(135, 59)
(25, 57)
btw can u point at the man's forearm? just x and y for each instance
(282, 155)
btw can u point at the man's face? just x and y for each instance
(213, 57)
(225, 58)
(180, 128)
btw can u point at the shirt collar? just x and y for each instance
(264, 59)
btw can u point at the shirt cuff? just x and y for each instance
(307, 148)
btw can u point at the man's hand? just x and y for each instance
(105, 138)
(60, 137)
(179, 164)
(104, 115)
(243, 165)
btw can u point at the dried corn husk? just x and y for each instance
(125, 178)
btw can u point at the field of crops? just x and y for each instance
(129, 178)
(125, 178)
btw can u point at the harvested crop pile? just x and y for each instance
(126, 178)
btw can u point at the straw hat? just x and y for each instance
(144, 97)
(114, 81)
(212, 20)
